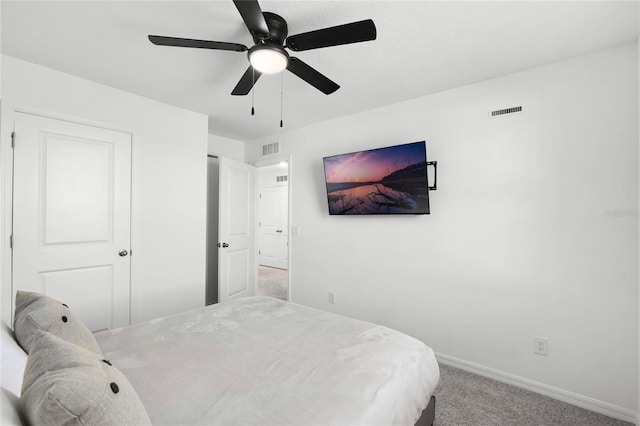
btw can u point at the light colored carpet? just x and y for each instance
(466, 399)
(273, 282)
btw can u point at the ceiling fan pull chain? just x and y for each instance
(281, 95)
(253, 89)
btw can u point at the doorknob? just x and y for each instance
(225, 245)
(123, 253)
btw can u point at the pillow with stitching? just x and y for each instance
(66, 384)
(35, 311)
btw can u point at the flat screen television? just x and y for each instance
(391, 180)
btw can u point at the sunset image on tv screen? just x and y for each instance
(390, 180)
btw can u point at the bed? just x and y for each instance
(262, 361)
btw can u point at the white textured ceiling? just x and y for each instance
(422, 47)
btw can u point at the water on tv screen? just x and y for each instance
(391, 180)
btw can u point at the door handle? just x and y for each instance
(279, 230)
(123, 253)
(225, 245)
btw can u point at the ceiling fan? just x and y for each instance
(268, 55)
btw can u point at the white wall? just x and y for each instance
(268, 175)
(533, 229)
(169, 175)
(225, 147)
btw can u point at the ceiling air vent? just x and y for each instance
(500, 112)
(270, 148)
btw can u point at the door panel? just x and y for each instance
(239, 185)
(70, 285)
(236, 230)
(76, 210)
(72, 216)
(238, 262)
(273, 227)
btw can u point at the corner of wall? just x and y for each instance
(225, 147)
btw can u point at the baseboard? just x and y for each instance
(581, 401)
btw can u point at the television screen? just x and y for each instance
(390, 180)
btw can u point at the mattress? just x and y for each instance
(262, 361)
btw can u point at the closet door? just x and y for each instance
(71, 217)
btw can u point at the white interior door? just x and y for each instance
(273, 234)
(236, 267)
(71, 217)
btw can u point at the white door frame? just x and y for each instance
(6, 214)
(269, 162)
(8, 110)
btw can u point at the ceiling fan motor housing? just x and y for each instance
(278, 30)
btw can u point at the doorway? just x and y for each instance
(231, 266)
(213, 195)
(273, 231)
(271, 260)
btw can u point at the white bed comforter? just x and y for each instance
(261, 361)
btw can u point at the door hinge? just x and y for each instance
(11, 241)
(13, 139)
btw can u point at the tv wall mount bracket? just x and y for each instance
(435, 175)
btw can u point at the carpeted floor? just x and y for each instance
(273, 282)
(466, 399)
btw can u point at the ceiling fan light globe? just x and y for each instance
(268, 60)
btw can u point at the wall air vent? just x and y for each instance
(500, 112)
(271, 148)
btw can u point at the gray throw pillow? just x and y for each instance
(35, 311)
(65, 384)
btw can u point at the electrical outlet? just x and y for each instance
(332, 296)
(541, 345)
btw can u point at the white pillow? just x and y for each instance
(13, 359)
(10, 412)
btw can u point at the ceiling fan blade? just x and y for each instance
(247, 81)
(354, 32)
(252, 16)
(202, 44)
(312, 76)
